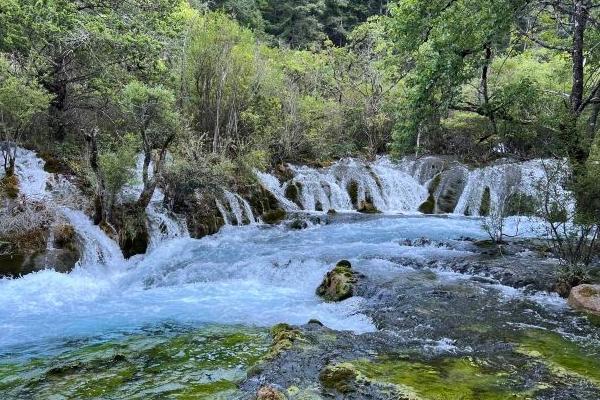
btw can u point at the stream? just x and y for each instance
(190, 318)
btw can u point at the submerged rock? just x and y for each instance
(339, 283)
(298, 224)
(586, 297)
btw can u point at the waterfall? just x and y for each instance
(348, 183)
(33, 180)
(162, 223)
(98, 248)
(238, 211)
(394, 187)
(271, 183)
(54, 190)
(530, 178)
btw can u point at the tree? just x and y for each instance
(79, 49)
(443, 46)
(572, 28)
(151, 113)
(295, 22)
(21, 99)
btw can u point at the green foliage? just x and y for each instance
(21, 98)
(151, 110)
(117, 163)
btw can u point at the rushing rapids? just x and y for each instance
(190, 317)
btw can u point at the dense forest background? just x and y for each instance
(210, 91)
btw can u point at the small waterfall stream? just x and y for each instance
(163, 224)
(237, 210)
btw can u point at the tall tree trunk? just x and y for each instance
(580, 17)
(101, 211)
(150, 183)
(485, 91)
(593, 121)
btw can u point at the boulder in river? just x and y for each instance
(274, 216)
(367, 207)
(339, 283)
(586, 298)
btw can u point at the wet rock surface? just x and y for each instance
(450, 328)
(339, 283)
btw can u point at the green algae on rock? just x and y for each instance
(339, 283)
(204, 363)
(564, 357)
(428, 207)
(284, 337)
(339, 377)
(447, 378)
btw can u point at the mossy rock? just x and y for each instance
(274, 216)
(435, 183)
(298, 224)
(428, 207)
(561, 355)
(367, 207)
(284, 336)
(293, 192)
(283, 172)
(9, 186)
(438, 379)
(340, 377)
(65, 237)
(318, 206)
(339, 283)
(352, 190)
(132, 229)
(486, 199)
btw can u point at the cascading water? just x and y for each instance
(238, 208)
(237, 212)
(394, 187)
(36, 184)
(272, 184)
(347, 184)
(163, 224)
(531, 178)
(97, 247)
(59, 329)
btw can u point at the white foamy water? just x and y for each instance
(163, 225)
(238, 211)
(32, 178)
(249, 275)
(401, 187)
